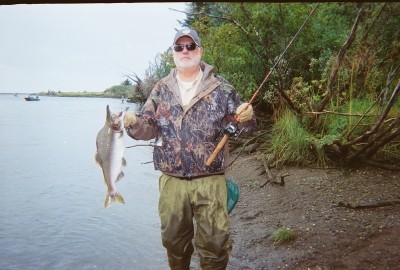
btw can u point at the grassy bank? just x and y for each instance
(105, 94)
(74, 94)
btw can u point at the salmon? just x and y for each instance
(110, 154)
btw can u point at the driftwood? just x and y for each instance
(368, 205)
(375, 130)
(140, 87)
(271, 178)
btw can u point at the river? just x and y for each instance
(52, 214)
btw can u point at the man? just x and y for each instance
(187, 112)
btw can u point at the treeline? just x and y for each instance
(126, 89)
(333, 96)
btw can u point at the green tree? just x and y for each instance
(127, 82)
(119, 91)
(347, 54)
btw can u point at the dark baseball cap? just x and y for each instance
(188, 33)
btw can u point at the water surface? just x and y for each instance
(52, 214)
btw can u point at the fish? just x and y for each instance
(110, 154)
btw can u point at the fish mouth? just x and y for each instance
(116, 128)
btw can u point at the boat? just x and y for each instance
(32, 98)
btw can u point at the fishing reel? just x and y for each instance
(232, 129)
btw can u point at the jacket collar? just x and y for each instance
(208, 83)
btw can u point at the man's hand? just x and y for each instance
(129, 119)
(246, 115)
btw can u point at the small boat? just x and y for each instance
(32, 98)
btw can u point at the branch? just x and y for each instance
(140, 145)
(339, 60)
(247, 143)
(384, 90)
(338, 113)
(372, 147)
(369, 133)
(370, 152)
(386, 131)
(247, 14)
(289, 101)
(372, 24)
(274, 179)
(139, 85)
(137, 80)
(148, 162)
(382, 165)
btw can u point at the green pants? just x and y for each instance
(203, 199)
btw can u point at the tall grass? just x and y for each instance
(290, 141)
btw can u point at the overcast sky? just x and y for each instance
(77, 47)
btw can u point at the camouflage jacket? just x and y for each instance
(188, 135)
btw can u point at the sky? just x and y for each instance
(81, 47)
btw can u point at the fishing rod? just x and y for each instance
(232, 129)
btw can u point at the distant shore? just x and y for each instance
(132, 99)
(63, 94)
(77, 94)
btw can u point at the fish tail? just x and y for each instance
(110, 198)
(119, 198)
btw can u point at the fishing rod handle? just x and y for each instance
(217, 149)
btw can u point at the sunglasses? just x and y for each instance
(189, 47)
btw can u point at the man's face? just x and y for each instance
(187, 58)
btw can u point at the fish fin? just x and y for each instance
(122, 114)
(123, 161)
(108, 201)
(111, 198)
(97, 158)
(119, 198)
(119, 177)
(108, 114)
